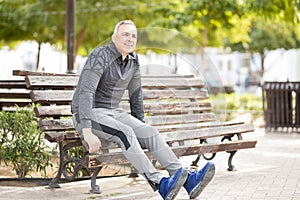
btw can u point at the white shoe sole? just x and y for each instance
(206, 179)
(181, 180)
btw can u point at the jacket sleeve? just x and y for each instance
(136, 95)
(89, 80)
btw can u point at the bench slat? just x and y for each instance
(35, 82)
(66, 124)
(14, 93)
(172, 83)
(51, 96)
(178, 135)
(13, 102)
(18, 72)
(118, 157)
(62, 82)
(12, 84)
(31, 73)
(53, 111)
(149, 107)
(206, 132)
(191, 126)
(175, 94)
(57, 136)
(59, 96)
(180, 119)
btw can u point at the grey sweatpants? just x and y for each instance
(130, 133)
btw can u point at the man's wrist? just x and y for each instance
(86, 131)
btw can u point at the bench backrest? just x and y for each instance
(170, 102)
(178, 106)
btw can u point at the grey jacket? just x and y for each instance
(103, 81)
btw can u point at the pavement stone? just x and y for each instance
(271, 171)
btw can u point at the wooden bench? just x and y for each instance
(13, 93)
(178, 106)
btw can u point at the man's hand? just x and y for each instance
(92, 140)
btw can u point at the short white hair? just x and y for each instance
(116, 29)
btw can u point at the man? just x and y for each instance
(108, 72)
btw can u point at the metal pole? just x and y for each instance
(70, 35)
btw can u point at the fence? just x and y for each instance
(282, 106)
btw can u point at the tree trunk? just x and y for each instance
(203, 63)
(38, 57)
(80, 39)
(78, 43)
(262, 64)
(262, 72)
(204, 38)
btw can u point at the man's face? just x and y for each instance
(126, 38)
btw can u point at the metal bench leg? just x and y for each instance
(195, 162)
(230, 165)
(54, 181)
(95, 189)
(134, 173)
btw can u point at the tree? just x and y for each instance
(285, 10)
(44, 20)
(203, 18)
(207, 22)
(266, 35)
(41, 21)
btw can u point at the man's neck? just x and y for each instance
(124, 56)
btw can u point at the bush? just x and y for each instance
(233, 104)
(21, 142)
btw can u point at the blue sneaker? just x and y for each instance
(198, 180)
(169, 187)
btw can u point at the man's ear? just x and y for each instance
(113, 37)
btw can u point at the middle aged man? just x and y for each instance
(108, 72)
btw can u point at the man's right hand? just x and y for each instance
(92, 140)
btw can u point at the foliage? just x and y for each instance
(210, 23)
(202, 18)
(43, 20)
(286, 10)
(21, 142)
(37, 20)
(265, 35)
(237, 103)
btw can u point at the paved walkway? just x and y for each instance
(270, 171)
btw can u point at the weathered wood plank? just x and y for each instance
(66, 124)
(53, 111)
(204, 133)
(12, 84)
(191, 126)
(175, 94)
(58, 96)
(172, 83)
(180, 119)
(56, 124)
(34, 81)
(14, 93)
(118, 157)
(152, 108)
(51, 96)
(31, 73)
(57, 136)
(54, 82)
